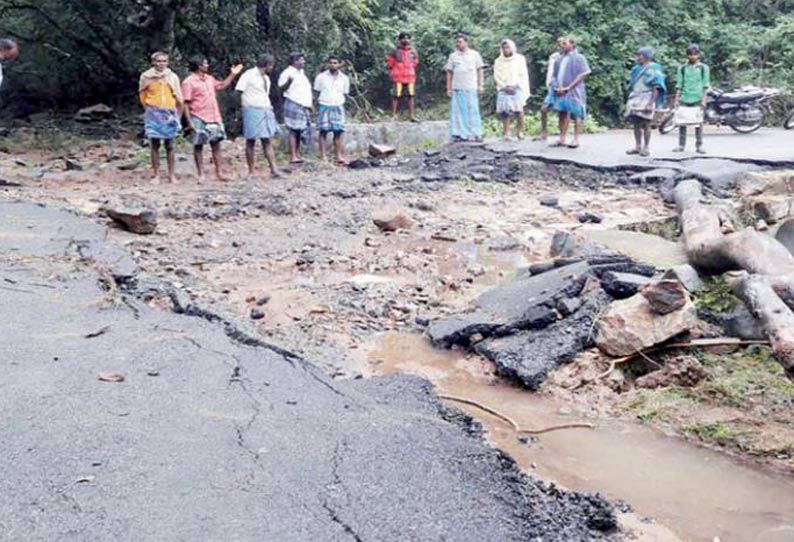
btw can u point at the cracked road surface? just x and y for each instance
(210, 439)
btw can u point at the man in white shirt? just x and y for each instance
(548, 102)
(259, 120)
(465, 80)
(9, 50)
(332, 87)
(298, 104)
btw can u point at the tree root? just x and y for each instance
(517, 428)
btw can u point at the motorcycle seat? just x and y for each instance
(740, 97)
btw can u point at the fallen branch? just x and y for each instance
(517, 428)
(711, 250)
(758, 254)
(775, 316)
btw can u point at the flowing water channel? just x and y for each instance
(699, 494)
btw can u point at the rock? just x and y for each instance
(141, 221)
(771, 208)
(562, 244)
(528, 356)
(398, 222)
(257, 314)
(654, 176)
(686, 275)
(684, 371)
(503, 243)
(665, 296)
(94, 112)
(480, 177)
(359, 163)
(6, 182)
(761, 225)
(377, 150)
(549, 201)
(130, 165)
(623, 285)
(539, 268)
(739, 322)
(432, 153)
(591, 218)
(642, 247)
(262, 301)
(72, 165)
(630, 325)
(459, 329)
(785, 235)
(568, 306)
(431, 178)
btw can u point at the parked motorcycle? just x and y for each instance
(744, 110)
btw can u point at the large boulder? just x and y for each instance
(631, 325)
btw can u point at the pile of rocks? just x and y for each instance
(541, 321)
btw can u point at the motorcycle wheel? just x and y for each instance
(668, 124)
(747, 128)
(788, 124)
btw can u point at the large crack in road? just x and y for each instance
(181, 450)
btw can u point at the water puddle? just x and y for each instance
(699, 494)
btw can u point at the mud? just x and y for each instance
(698, 494)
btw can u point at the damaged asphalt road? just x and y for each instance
(209, 439)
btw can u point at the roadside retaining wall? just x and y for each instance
(403, 135)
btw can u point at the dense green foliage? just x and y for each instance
(78, 51)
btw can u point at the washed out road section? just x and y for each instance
(209, 439)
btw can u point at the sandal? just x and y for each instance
(633, 151)
(573, 145)
(558, 144)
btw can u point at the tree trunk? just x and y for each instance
(711, 250)
(765, 281)
(264, 24)
(775, 316)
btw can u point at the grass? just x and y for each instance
(659, 405)
(719, 433)
(716, 296)
(744, 379)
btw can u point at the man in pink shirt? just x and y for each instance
(199, 91)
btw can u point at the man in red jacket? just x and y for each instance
(402, 63)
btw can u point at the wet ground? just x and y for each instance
(354, 300)
(699, 494)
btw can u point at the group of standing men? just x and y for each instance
(565, 82)
(167, 102)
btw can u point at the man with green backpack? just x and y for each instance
(692, 82)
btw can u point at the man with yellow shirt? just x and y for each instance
(161, 95)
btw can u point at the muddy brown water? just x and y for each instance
(699, 494)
